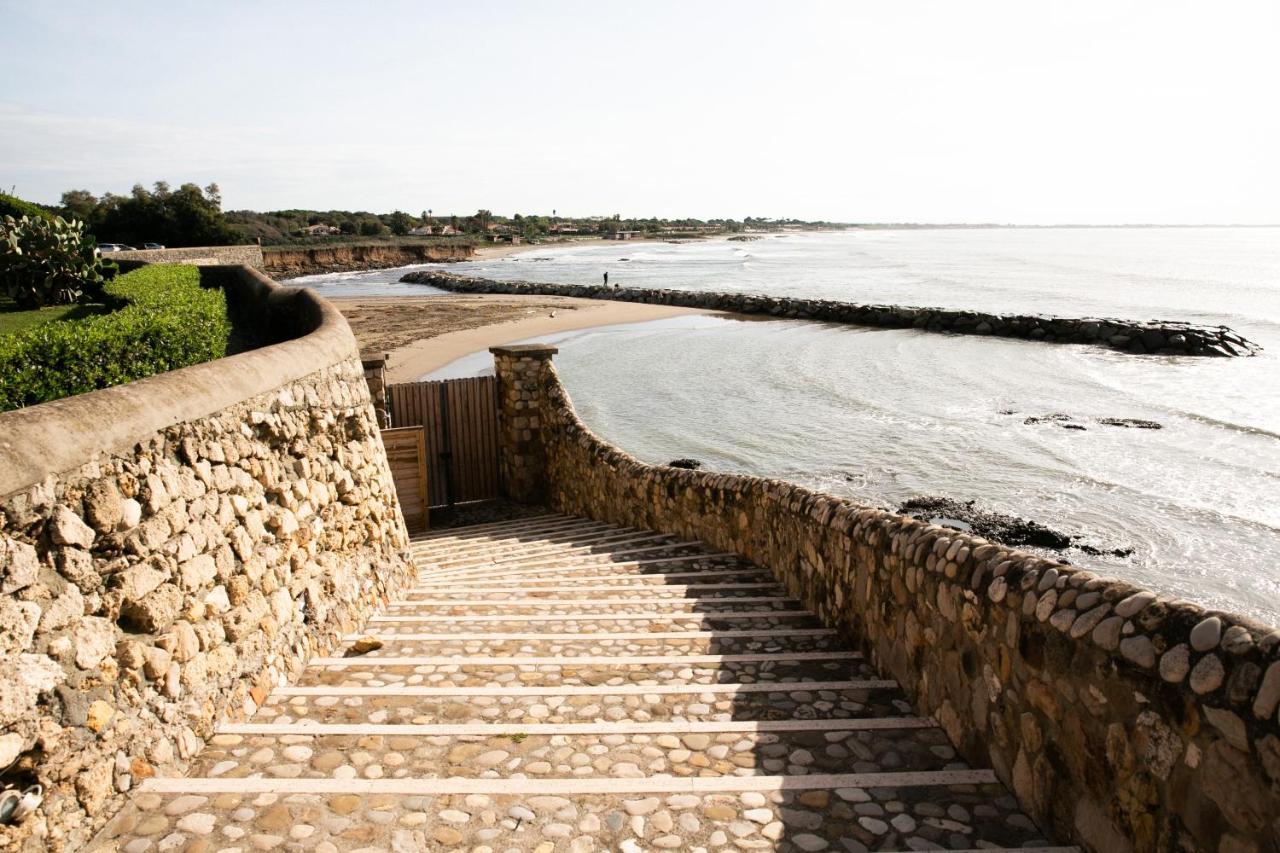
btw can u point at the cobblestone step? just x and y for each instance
(515, 537)
(743, 573)
(836, 700)
(576, 751)
(621, 586)
(622, 620)
(390, 672)
(961, 817)
(611, 542)
(572, 647)
(566, 570)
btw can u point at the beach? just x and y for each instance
(421, 334)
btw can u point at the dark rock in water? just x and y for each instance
(1131, 423)
(998, 527)
(1056, 417)
(1068, 422)
(688, 464)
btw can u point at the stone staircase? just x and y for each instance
(559, 684)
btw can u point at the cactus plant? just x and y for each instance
(47, 261)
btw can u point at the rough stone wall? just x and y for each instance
(249, 256)
(1122, 720)
(158, 589)
(375, 377)
(1161, 337)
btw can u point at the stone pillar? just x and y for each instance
(522, 454)
(375, 374)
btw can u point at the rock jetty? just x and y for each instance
(1156, 337)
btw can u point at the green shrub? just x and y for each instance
(168, 321)
(47, 261)
(17, 208)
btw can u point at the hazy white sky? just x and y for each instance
(1025, 111)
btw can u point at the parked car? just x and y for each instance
(103, 248)
(153, 245)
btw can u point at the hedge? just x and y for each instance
(167, 320)
(11, 205)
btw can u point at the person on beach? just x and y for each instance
(606, 279)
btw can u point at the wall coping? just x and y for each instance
(61, 435)
(526, 350)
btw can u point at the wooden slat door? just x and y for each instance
(407, 454)
(459, 418)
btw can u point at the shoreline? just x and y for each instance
(539, 316)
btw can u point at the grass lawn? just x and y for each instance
(12, 320)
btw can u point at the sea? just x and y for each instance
(881, 416)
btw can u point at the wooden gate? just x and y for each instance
(407, 454)
(459, 418)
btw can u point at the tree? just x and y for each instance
(370, 227)
(187, 216)
(400, 223)
(79, 204)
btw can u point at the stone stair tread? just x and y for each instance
(392, 672)
(879, 819)
(869, 699)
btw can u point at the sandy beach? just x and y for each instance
(424, 333)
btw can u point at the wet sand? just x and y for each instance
(424, 333)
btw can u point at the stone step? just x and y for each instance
(573, 647)
(603, 540)
(746, 574)
(517, 593)
(594, 622)
(515, 537)
(421, 705)
(407, 633)
(567, 569)
(842, 820)
(576, 751)
(653, 607)
(427, 598)
(688, 669)
(614, 543)
(476, 531)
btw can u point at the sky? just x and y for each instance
(1002, 111)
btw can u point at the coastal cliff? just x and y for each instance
(290, 263)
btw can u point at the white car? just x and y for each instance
(103, 248)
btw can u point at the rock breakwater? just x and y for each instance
(1156, 337)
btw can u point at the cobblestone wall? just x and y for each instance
(171, 577)
(1161, 337)
(1122, 719)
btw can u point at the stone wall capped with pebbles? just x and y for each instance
(172, 548)
(1122, 719)
(1158, 337)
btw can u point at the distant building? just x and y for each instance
(433, 231)
(321, 230)
(621, 235)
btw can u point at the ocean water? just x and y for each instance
(884, 415)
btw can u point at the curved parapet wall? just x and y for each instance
(1122, 719)
(171, 548)
(1155, 337)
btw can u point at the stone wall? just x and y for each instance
(1160, 337)
(172, 548)
(288, 263)
(249, 256)
(1122, 719)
